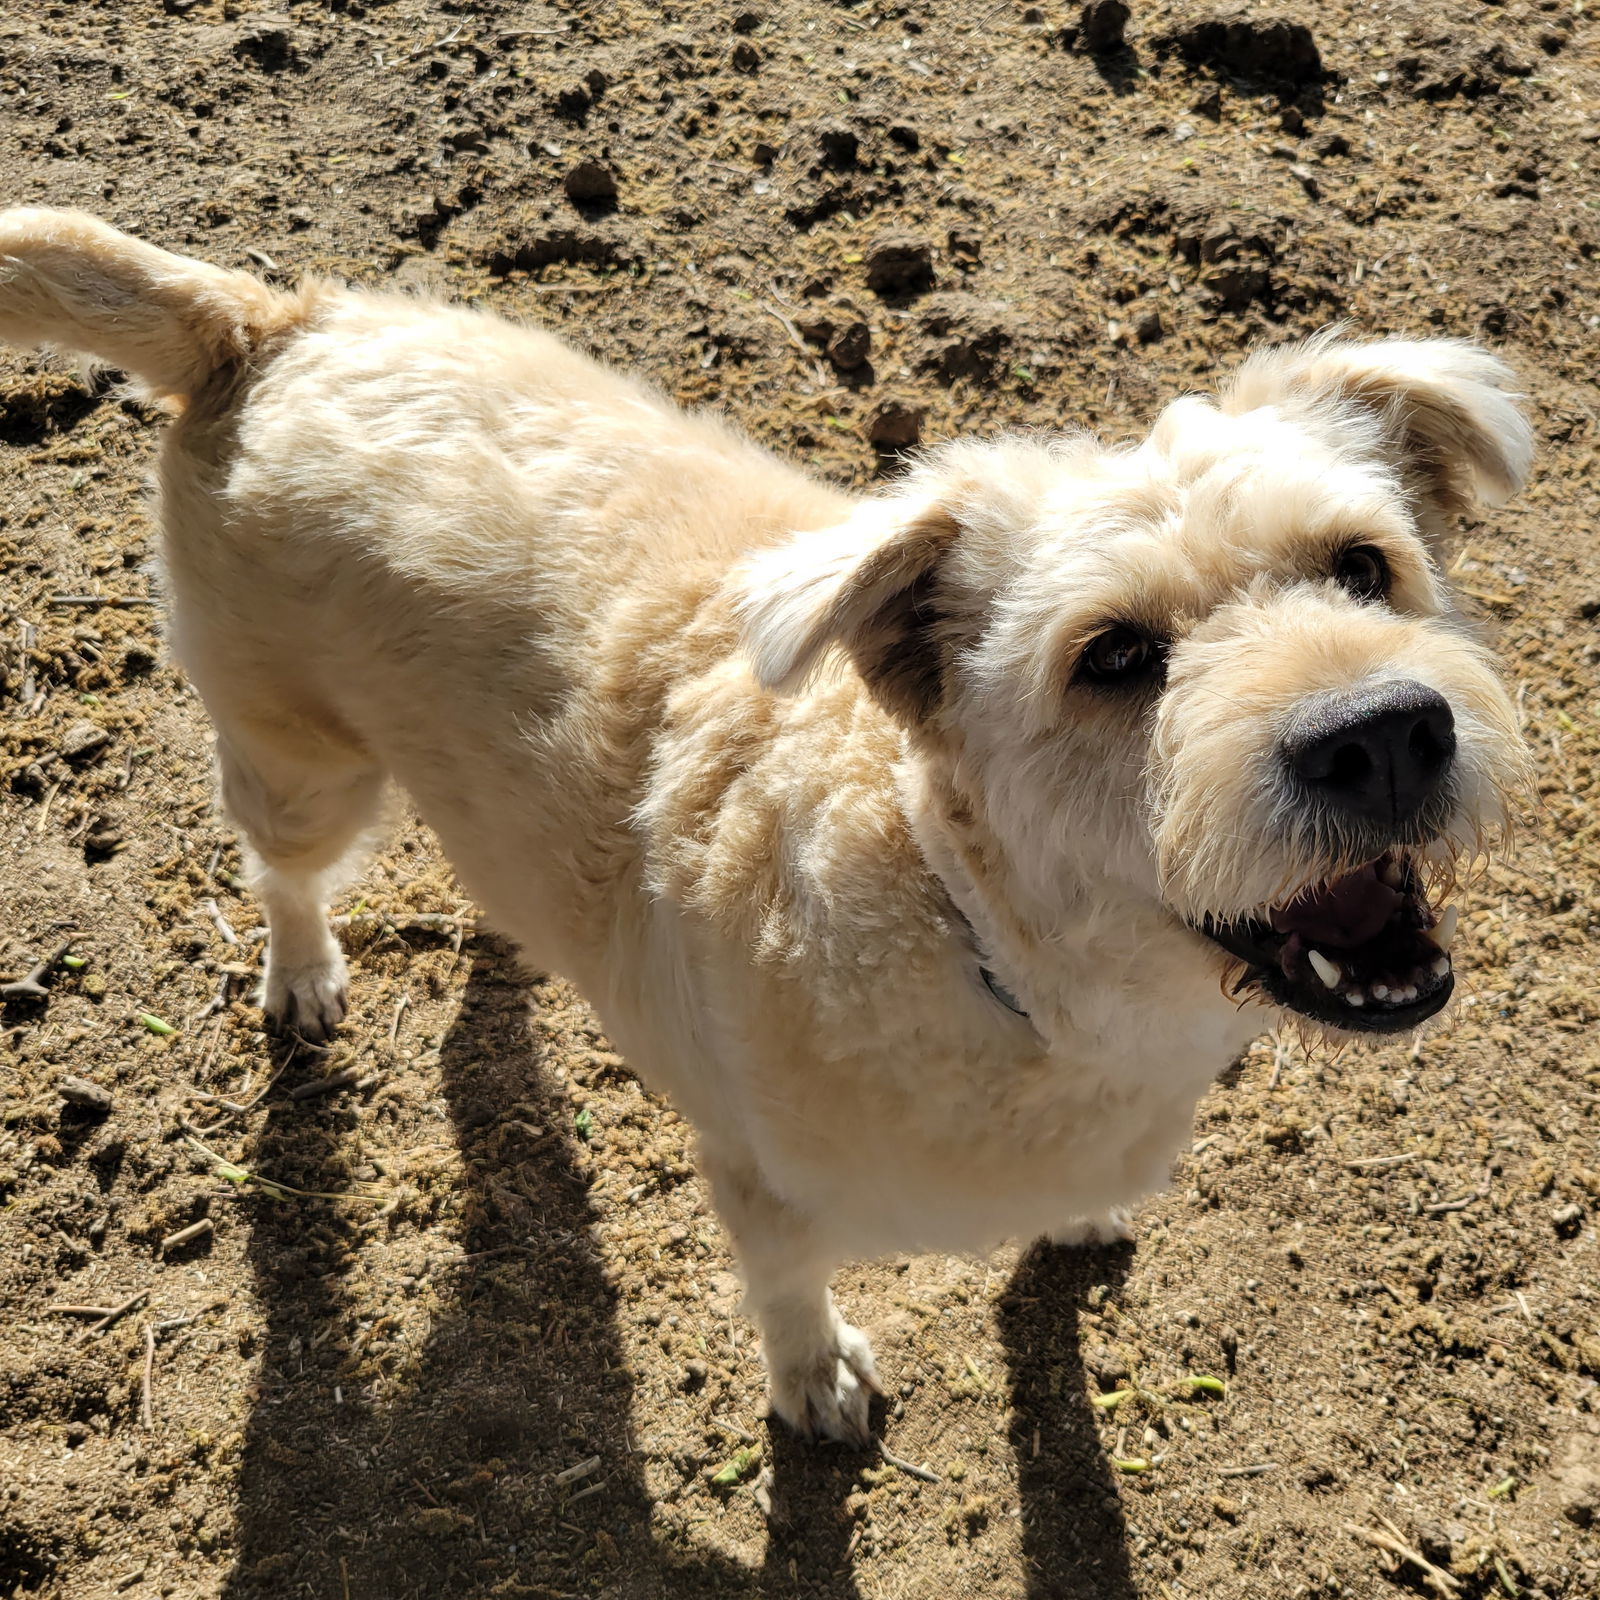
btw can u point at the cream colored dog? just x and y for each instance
(921, 847)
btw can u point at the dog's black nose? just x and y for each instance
(1378, 754)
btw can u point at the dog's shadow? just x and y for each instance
(446, 1484)
(1074, 1538)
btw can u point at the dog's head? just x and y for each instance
(1221, 669)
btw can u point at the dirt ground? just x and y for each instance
(497, 1352)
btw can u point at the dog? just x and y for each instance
(927, 849)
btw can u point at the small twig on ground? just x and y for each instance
(49, 800)
(218, 1001)
(1440, 1582)
(273, 1187)
(1280, 1059)
(798, 341)
(399, 1012)
(910, 1468)
(146, 1415)
(581, 1470)
(234, 1107)
(81, 1311)
(1377, 1163)
(218, 921)
(1253, 1471)
(33, 987)
(1466, 1200)
(118, 1312)
(101, 600)
(25, 648)
(728, 1425)
(213, 1050)
(335, 1081)
(183, 1236)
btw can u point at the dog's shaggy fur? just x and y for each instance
(869, 848)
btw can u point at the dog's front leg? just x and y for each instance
(1112, 1226)
(819, 1369)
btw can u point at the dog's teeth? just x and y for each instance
(1443, 932)
(1355, 998)
(1441, 966)
(1380, 991)
(1325, 969)
(1406, 995)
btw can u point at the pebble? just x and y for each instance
(1103, 26)
(899, 263)
(1147, 327)
(82, 739)
(850, 346)
(590, 182)
(896, 425)
(85, 1095)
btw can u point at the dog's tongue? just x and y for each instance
(1342, 914)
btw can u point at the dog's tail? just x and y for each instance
(172, 324)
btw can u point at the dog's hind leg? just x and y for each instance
(819, 1368)
(301, 820)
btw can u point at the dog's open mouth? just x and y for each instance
(1364, 952)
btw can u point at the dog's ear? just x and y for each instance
(868, 585)
(1442, 410)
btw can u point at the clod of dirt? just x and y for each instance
(1577, 1480)
(746, 58)
(899, 264)
(85, 1095)
(1256, 49)
(572, 103)
(1147, 327)
(850, 346)
(839, 145)
(35, 407)
(747, 21)
(896, 425)
(1107, 1367)
(102, 842)
(1437, 1542)
(968, 336)
(82, 740)
(590, 183)
(1447, 70)
(1102, 28)
(268, 42)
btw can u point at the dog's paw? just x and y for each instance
(826, 1393)
(1107, 1228)
(307, 1000)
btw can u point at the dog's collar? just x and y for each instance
(985, 974)
(1000, 992)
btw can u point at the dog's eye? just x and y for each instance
(1362, 572)
(1120, 654)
